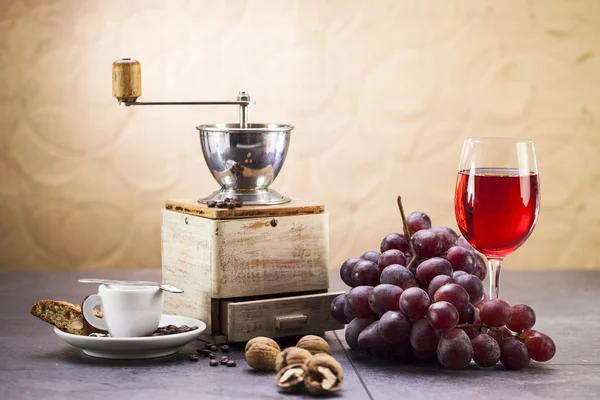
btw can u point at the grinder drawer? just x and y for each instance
(277, 317)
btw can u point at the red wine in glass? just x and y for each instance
(497, 204)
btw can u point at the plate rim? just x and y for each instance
(102, 339)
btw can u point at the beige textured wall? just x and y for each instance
(382, 94)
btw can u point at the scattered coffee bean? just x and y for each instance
(225, 348)
(211, 356)
(206, 352)
(193, 357)
(238, 203)
(223, 360)
(231, 363)
(231, 206)
(207, 345)
(220, 204)
(213, 348)
(227, 200)
(211, 204)
(213, 363)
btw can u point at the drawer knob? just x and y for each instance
(291, 321)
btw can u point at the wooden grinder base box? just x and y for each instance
(249, 271)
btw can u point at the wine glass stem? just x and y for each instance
(494, 267)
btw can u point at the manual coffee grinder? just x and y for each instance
(255, 270)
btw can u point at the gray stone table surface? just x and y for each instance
(35, 364)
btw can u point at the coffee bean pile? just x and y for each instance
(172, 330)
(227, 203)
(208, 352)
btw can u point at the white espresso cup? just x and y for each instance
(127, 310)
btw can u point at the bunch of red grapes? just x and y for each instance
(422, 298)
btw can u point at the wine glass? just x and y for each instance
(497, 198)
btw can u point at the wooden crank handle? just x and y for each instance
(126, 80)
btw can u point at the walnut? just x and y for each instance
(314, 344)
(291, 377)
(261, 353)
(291, 355)
(324, 374)
(262, 339)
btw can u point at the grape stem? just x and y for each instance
(413, 259)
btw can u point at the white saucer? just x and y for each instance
(136, 347)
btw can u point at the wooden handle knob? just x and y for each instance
(126, 80)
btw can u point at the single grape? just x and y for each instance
(453, 294)
(456, 274)
(431, 268)
(500, 335)
(337, 308)
(414, 302)
(370, 337)
(354, 329)
(395, 241)
(495, 312)
(462, 242)
(385, 297)
(437, 283)
(426, 243)
(461, 259)
(401, 352)
(391, 257)
(372, 256)
(467, 314)
(486, 350)
(472, 285)
(522, 319)
(398, 275)
(514, 354)
(417, 220)
(442, 316)
(358, 301)
(348, 312)
(446, 236)
(346, 270)
(454, 349)
(480, 267)
(541, 347)
(423, 336)
(365, 273)
(394, 327)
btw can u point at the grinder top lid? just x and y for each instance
(250, 128)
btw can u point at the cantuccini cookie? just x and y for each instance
(65, 316)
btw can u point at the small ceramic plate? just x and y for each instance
(136, 347)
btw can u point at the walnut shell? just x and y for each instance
(314, 344)
(324, 374)
(261, 355)
(262, 339)
(291, 355)
(291, 377)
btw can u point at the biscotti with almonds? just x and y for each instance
(65, 316)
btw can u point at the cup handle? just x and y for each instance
(88, 306)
